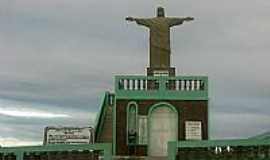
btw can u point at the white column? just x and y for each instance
(188, 85)
(125, 84)
(131, 84)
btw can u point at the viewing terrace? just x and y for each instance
(164, 87)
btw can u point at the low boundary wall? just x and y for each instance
(251, 149)
(20, 153)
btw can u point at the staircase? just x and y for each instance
(104, 121)
(106, 133)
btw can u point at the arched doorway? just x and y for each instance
(163, 127)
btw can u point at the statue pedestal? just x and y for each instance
(161, 71)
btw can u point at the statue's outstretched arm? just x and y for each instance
(140, 21)
(178, 21)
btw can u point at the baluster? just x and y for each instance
(141, 84)
(131, 84)
(182, 85)
(198, 85)
(125, 84)
(177, 85)
(192, 85)
(146, 86)
(138, 84)
(188, 85)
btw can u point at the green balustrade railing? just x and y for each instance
(162, 87)
(246, 149)
(20, 153)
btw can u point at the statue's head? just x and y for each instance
(160, 12)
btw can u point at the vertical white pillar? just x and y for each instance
(141, 84)
(198, 85)
(146, 86)
(135, 84)
(131, 84)
(182, 85)
(125, 84)
(177, 85)
(188, 85)
(192, 85)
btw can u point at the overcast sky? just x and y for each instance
(58, 57)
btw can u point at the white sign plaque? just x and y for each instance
(193, 130)
(68, 135)
(161, 73)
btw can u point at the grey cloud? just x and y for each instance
(238, 125)
(64, 54)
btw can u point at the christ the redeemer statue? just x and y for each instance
(159, 36)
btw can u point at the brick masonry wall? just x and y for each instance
(187, 110)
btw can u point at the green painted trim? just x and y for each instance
(172, 150)
(223, 143)
(208, 120)
(162, 92)
(209, 116)
(102, 105)
(114, 127)
(153, 107)
(161, 104)
(19, 151)
(153, 95)
(186, 77)
(127, 119)
(100, 117)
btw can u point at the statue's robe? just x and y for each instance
(159, 39)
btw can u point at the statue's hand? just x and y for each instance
(130, 19)
(189, 19)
